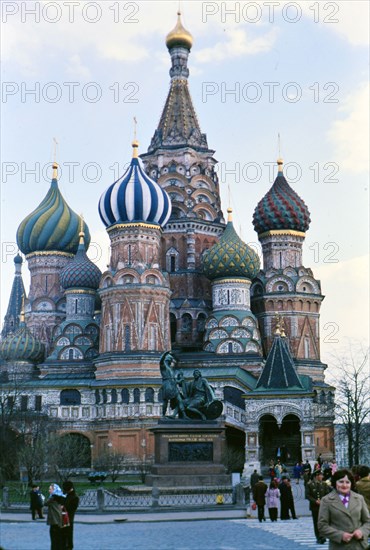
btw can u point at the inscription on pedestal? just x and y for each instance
(190, 452)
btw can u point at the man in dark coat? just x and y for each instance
(71, 505)
(286, 499)
(316, 489)
(36, 502)
(259, 491)
(254, 478)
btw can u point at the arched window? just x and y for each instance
(173, 327)
(127, 338)
(306, 348)
(136, 395)
(172, 259)
(70, 397)
(149, 395)
(125, 394)
(201, 324)
(97, 397)
(104, 394)
(114, 395)
(186, 323)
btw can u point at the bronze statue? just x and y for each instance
(170, 390)
(194, 399)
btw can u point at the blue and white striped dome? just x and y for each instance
(135, 197)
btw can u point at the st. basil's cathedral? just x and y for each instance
(87, 344)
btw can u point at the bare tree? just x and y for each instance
(66, 453)
(352, 383)
(111, 462)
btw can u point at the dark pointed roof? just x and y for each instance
(279, 372)
(17, 294)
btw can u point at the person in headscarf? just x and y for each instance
(71, 506)
(54, 504)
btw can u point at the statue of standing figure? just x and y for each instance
(170, 391)
(194, 399)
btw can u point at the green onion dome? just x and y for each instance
(81, 272)
(230, 257)
(281, 208)
(52, 226)
(22, 346)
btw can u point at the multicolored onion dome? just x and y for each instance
(52, 226)
(230, 257)
(179, 36)
(135, 197)
(22, 346)
(81, 272)
(281, 208)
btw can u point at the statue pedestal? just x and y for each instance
(188, 453)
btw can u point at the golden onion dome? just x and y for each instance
(179, 36)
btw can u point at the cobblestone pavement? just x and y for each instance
(233, 534)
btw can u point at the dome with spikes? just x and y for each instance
(52, 226)
(230, 257)
(135, 197)
(22, 346)
(281, 208)
(179, 36)
(81, 272)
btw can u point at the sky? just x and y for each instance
(80, 72)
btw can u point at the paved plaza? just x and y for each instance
(150, 534)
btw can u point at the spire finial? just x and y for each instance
(278, 324)
(55, 165)
(82, 233)
(135, 143)
(229, 214)
(279, 160)
(21, 315)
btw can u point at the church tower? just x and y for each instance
(180, 160)
(134, 290)
(285, 286)
(17, 295)
(49, 239)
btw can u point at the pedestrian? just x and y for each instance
(343, 516)
(272, 473)
(286, 499)
(272, 500)
(363, 484)
(71, 505)
(297, 471)
(316, 490)
(333, 466)
(55, 503)
(254, 478)
(36, 502)
(306, 470)
(319, 460)
(259, 491)
(278, 469)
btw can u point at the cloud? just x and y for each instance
(350, 135)
(237, 43)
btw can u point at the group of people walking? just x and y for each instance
(271, 495)
(340, 506)
(61, 508)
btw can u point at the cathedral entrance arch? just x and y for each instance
(280, 441)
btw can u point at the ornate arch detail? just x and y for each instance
(310, 282)
(274, 282)
(279, 411)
